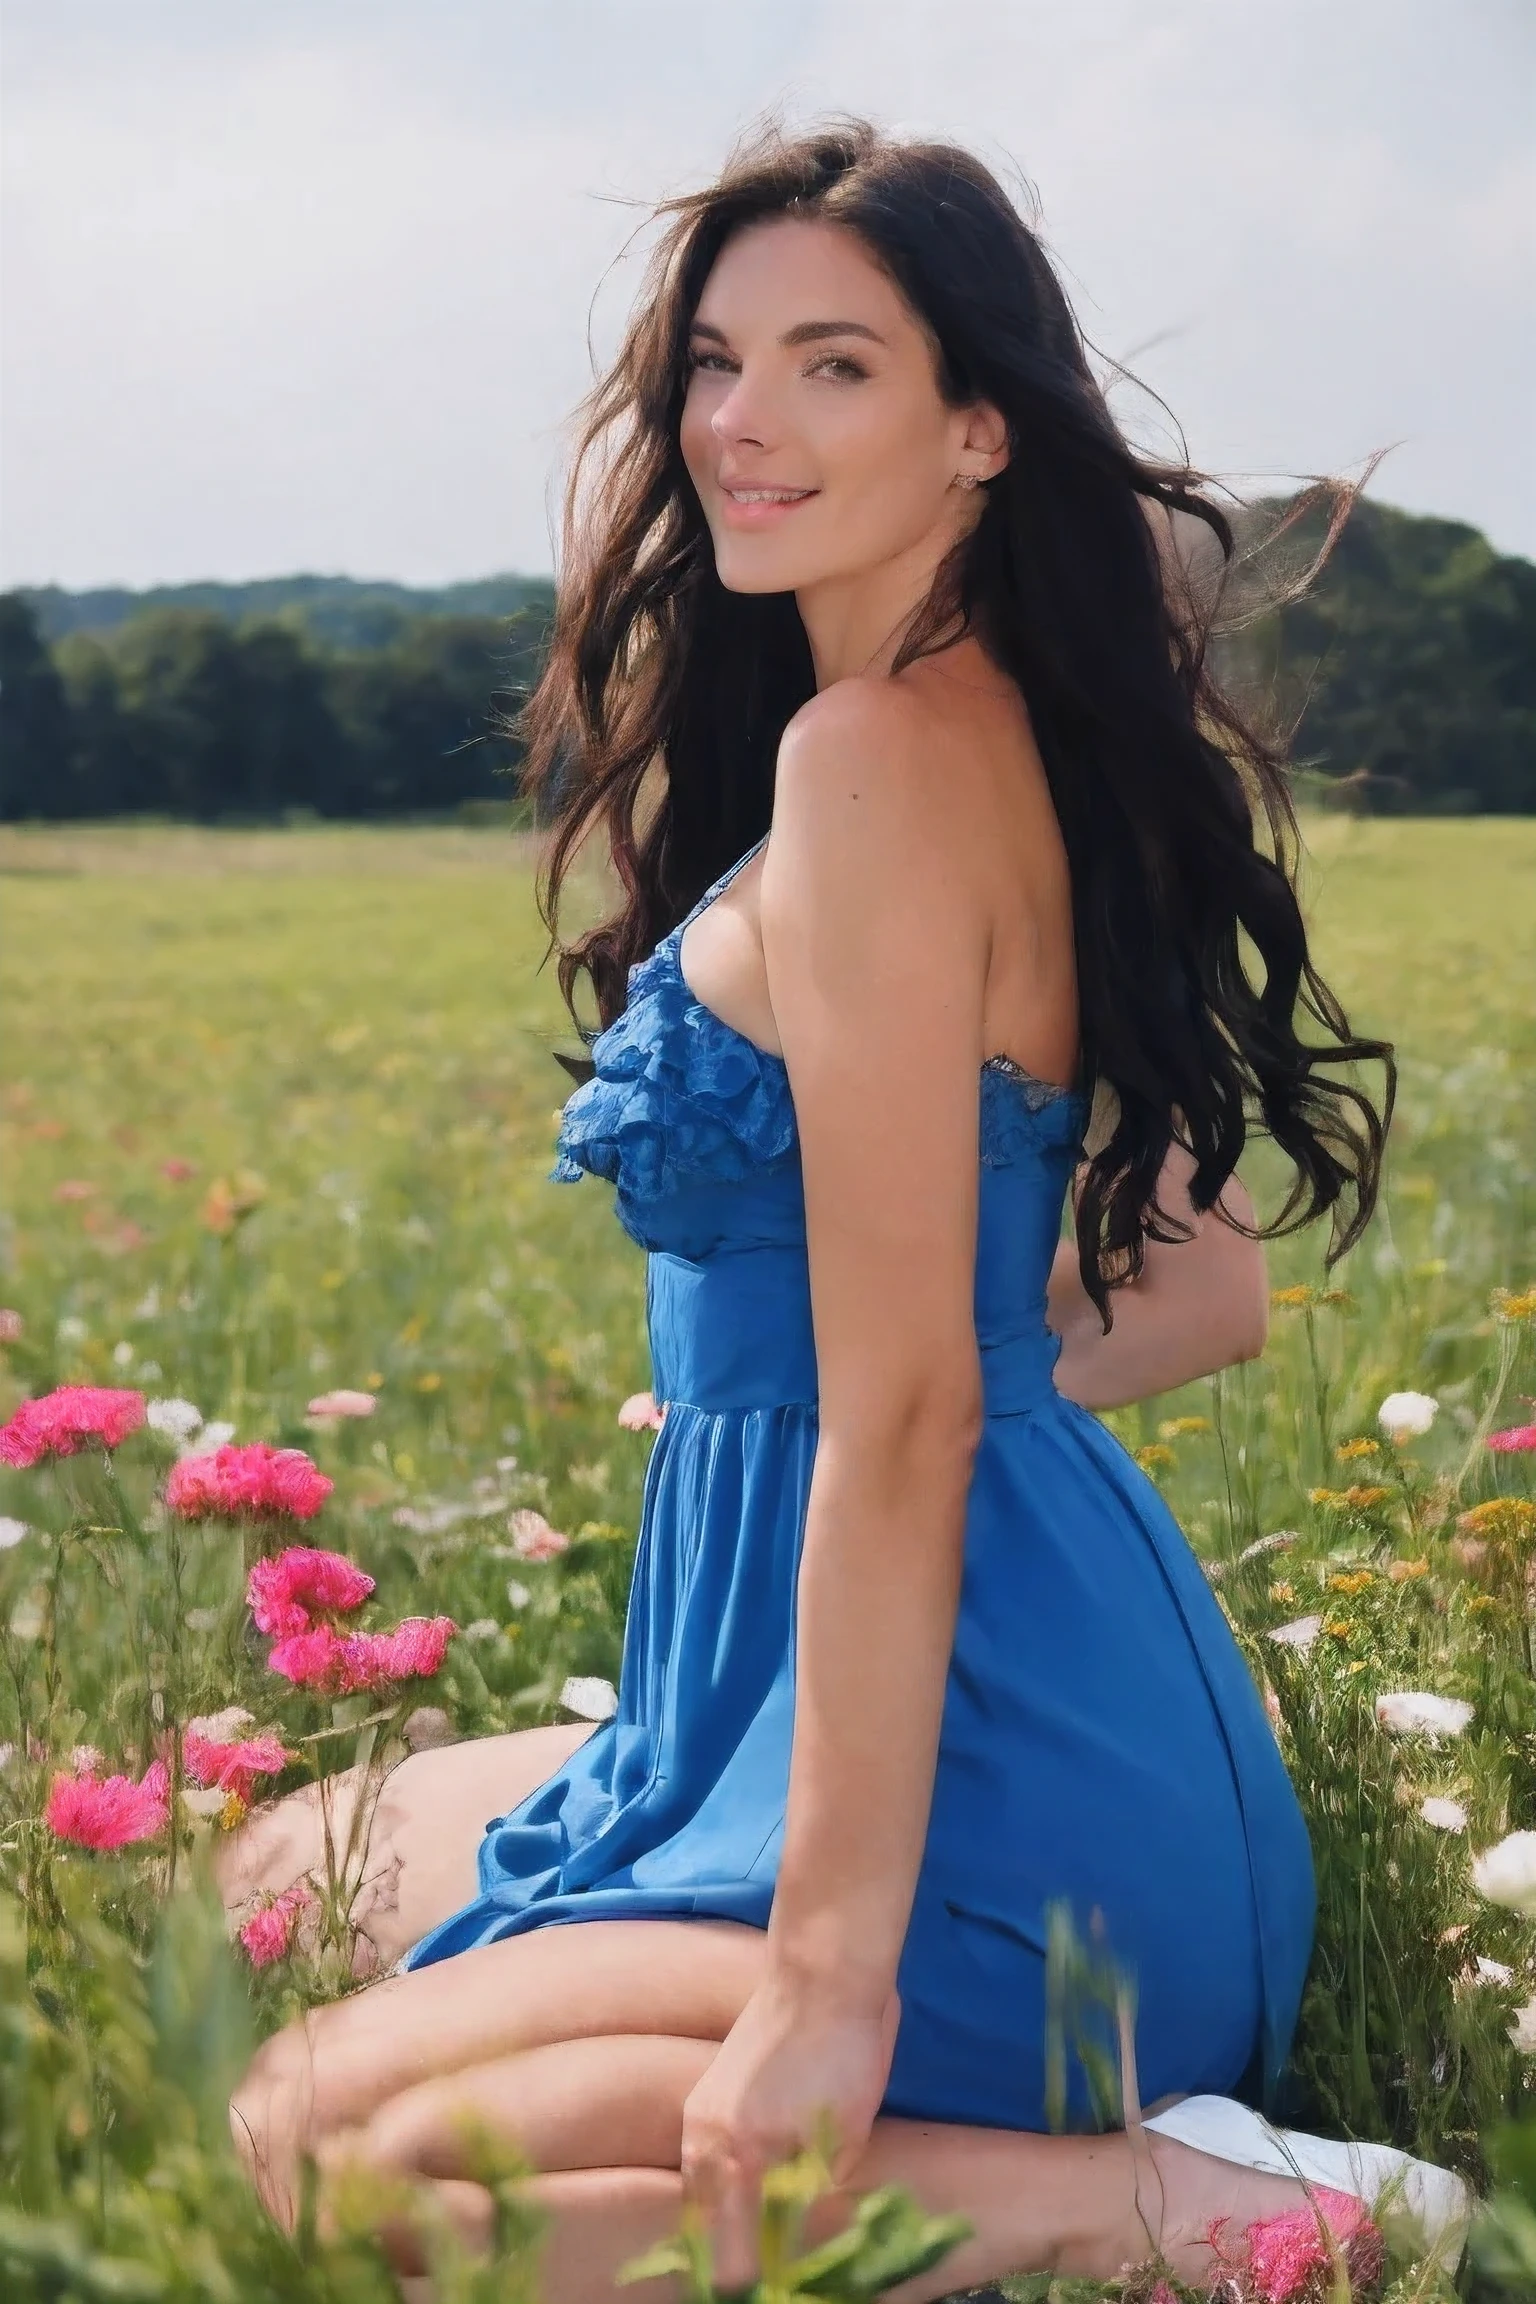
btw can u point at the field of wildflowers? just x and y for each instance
(325, 1426)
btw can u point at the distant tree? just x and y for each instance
(417, 717)
(35, 750)
(1412, 667)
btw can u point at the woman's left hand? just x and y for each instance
(791, 2053)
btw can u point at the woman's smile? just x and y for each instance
(761, 507)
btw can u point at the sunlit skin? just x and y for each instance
(779, 396)
(601, 2049)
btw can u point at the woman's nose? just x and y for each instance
(739, 415)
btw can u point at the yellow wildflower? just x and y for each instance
(1350, 1449)
(1339, 1628)
(1339, 1298)
(1506, 1305)
(1324, 1495)
(1152, 1454)
(1403, 1571)
(233, 1813)
(1357, 1666)
(1282, 1591)
(1351, 1584)
(1176, 1427)
(431, 1382)
(1480, 1603)
(1287, 1299)
(1354, 1499)
(1508, 1519)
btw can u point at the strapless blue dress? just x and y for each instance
(1103, 1742)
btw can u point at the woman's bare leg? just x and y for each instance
(414, 1855)
(688, 1978)
(609, 2111)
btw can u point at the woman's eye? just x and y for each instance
(850, 368)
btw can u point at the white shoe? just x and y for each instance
(1436, 2200)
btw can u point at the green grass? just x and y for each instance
(347, 1034)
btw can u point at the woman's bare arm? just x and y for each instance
(1198, 1304)
(876, 958)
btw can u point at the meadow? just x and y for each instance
(278, 1115)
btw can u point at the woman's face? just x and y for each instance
(808, 372)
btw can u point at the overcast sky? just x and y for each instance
(314, 284)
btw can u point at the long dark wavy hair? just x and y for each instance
(1155, 773)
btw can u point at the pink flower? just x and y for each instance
(310, 1659)
(75, 1188)
(250, 1482)
(335, 1405)
(109, 1814)
(334, 1666)
(1514, 1440)
(639, 1413)
(1286, 2254)
(284, 1594)
(178, 1171)
(533, 1538)
(269, 1933)
(12, 1325)
(413, 1651)
(233, 1767)
(61, 1423)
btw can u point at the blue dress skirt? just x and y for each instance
(1103, 1745)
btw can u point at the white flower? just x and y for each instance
(1406, 1416)
(207, 1442)
(1506, 1873)
(1414, 1712)
(1281, 1541)
(1523, 2029)
(206, 1802)
(428, 1727)
(122, 1355)
(1493, 1972)
(1445, 1815)
(1301, 1634)
(593, 1699)
(12, 1532)
(7, 1755)
(221, 1727)
(518, 1595)
(27, 1617)
(174, 1419)
(483, 1628)
(72, 1329)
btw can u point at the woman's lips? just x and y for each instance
(763, 514)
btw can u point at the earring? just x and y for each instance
(965, 480)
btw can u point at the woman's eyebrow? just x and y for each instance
(804, 332)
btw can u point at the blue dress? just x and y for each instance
(1102, 1742)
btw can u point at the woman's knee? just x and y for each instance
(306, 1832)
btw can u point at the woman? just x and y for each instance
(915, 1651)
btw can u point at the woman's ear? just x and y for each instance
(987, 434)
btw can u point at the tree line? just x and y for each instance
(1408, 673)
